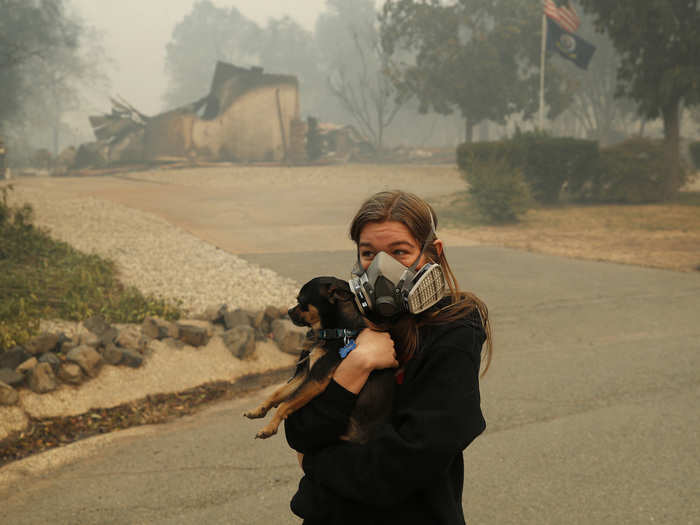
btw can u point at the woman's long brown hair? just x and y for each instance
(416, 214)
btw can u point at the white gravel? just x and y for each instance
(157, 257)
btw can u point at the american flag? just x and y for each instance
(565, 15)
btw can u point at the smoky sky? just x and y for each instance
(135, 33)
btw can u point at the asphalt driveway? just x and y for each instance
(591, 403)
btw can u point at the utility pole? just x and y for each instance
(542, 63)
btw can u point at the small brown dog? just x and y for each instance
(327, 306)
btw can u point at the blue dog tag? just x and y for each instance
(349, 347)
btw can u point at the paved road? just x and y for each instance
(591, 403)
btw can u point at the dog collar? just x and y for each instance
(337, 333)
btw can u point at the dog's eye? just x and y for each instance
(304, 307)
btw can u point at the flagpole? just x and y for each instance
(542, 62)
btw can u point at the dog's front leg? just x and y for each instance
(309, 390)
(283, 392)
(276, 398)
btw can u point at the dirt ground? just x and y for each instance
(592, 396)
(653, 235)
(267, 209)
(659, 236)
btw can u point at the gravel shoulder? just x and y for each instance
(176, 233)
(152, 254)
(158, 258)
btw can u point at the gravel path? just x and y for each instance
(162, 259)
(155, 256)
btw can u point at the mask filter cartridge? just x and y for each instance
(388, 288)
(428, 288)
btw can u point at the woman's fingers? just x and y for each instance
(377, 348)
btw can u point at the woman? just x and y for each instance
(412, 471)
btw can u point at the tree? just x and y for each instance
(659, 44)
(286, 47)
(209, 33)
(356, 67)
(29, 30)
(206, 34)
(478, 56)
(58, 82)
(47, 57)
(594, 104)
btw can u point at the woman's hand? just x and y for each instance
(374, 351)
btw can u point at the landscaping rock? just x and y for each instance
(91, 339)
(112, 354)
(288, 336)
(11, 377)
(240, 341)
(8, 395)
(42, 343)
(70, 373)
(174, 343)
(131, 338)
(97, 324)
(109, 336)
(131, 358)
(68, 344)
(193, 332)
(13, 357)
(235, 318)
(87, 358)
(28, 365)
(52, 359)
(62, 339)
(157, 328)
(261, 325)
(272, 313)
(214, 313)
(42, 379)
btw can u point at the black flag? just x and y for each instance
(568, 45)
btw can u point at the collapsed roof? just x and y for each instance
(248, 115)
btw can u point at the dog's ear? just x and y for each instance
(339, 292)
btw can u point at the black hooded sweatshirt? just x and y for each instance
(412, 472)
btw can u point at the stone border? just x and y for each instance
(53, 357)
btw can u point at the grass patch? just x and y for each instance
(41, 278)
(665, 235)
(688, 198)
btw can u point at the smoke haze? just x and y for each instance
(135, 34)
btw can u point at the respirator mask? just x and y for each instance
(389, 288)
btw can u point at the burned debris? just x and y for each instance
(247, 116)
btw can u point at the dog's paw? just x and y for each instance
(266, 432)
(255, 414)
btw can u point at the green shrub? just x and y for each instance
(695, 153)
(551, 162)
(469, 153)
(547, 163)
(633, 172)
(498, 190)
(43, 278)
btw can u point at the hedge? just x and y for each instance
(547, 163)
(498, 190)
(695, 153)
(633, 172)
